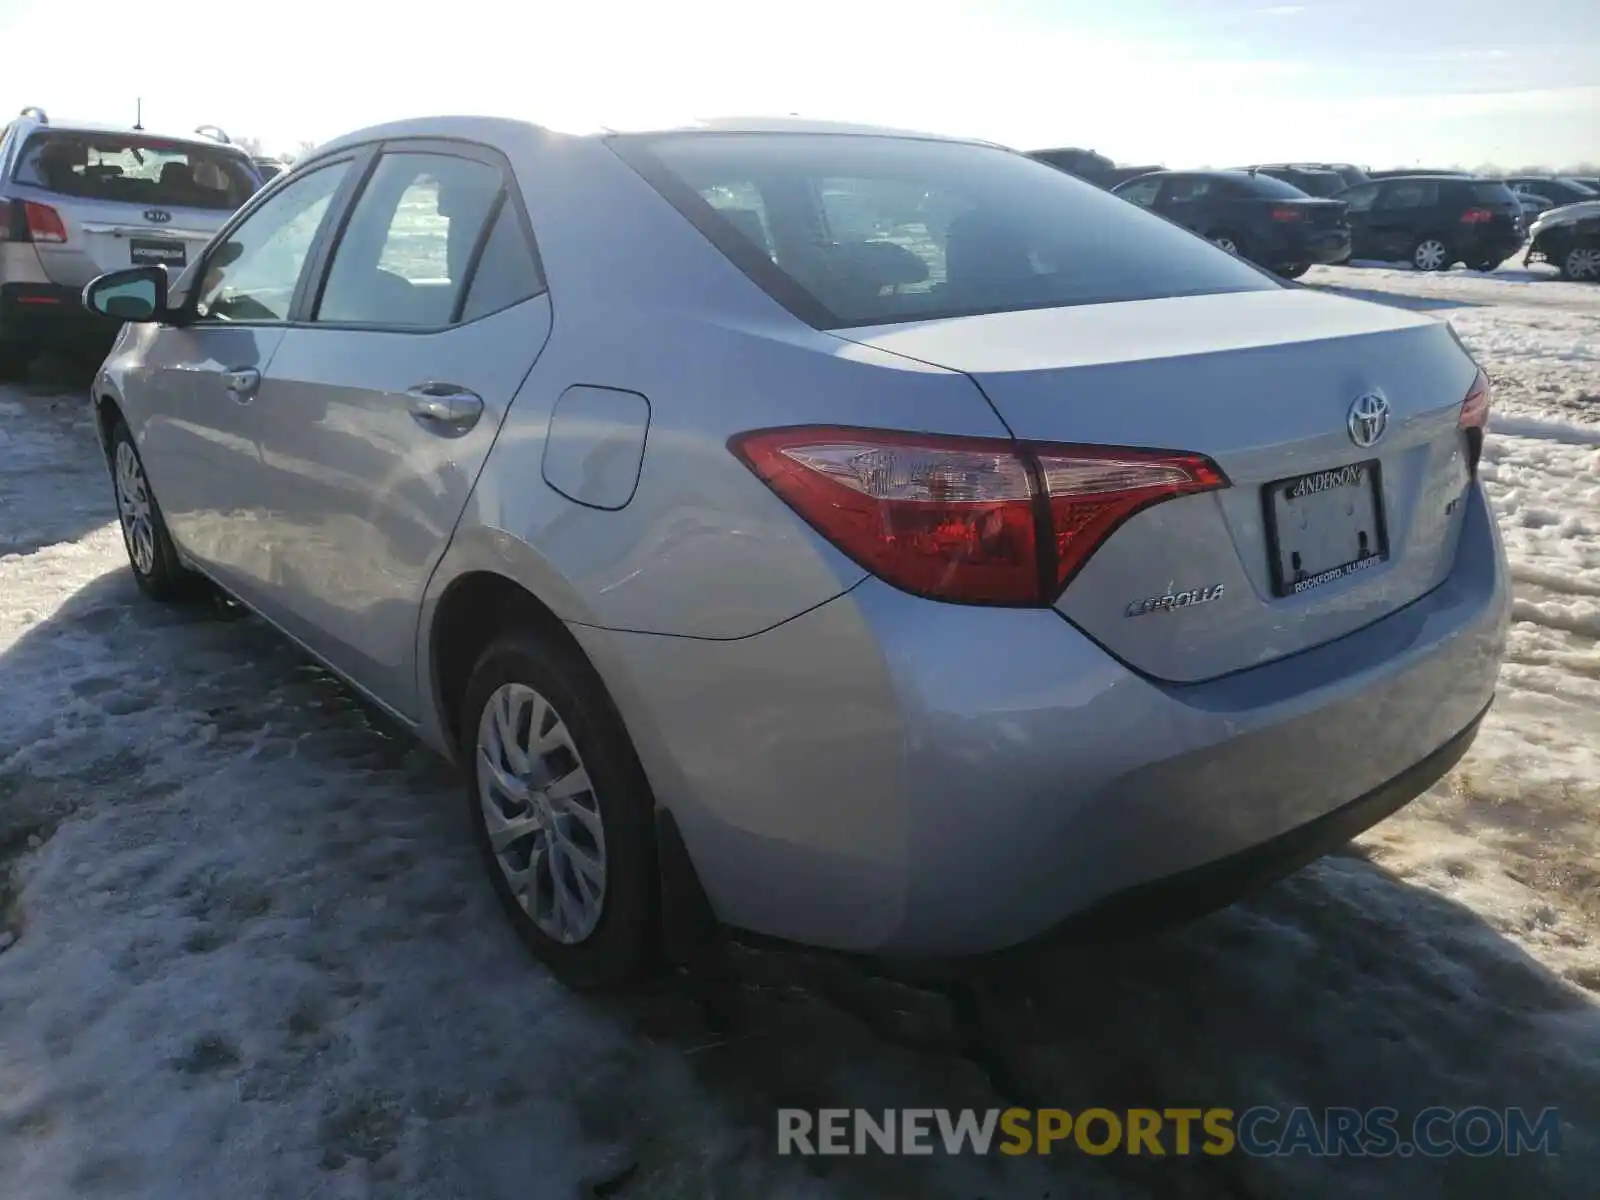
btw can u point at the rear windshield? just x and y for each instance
(1580, 185)
(135, 170)
(1492, 193)
(851, 230)
(1268, 187)
(1318, 183)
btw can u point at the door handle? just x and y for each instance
(444, 408)
(241, 382)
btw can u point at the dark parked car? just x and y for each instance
(1265, 220)
(1434, 221)
(1569, 239)
(1089, 165)
(1313, 181)
(1558, 189)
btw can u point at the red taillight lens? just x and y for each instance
(968, 520)
(44, 222)
(1477, 216)
(1474, 418)
(1285, 213)
(1094, 489)
(1475, 408)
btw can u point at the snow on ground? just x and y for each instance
(249, 950)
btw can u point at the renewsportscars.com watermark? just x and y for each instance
(1260, 1131)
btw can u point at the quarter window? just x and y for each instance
(1182, 191)
(1142, 193)
(508, 273)
(252, 275)
(405, 252)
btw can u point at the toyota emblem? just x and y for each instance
(1369, 417)
(157, 216)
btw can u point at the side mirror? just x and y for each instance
(137, 294)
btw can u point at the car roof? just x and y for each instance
(487, 128)
(1436, 178)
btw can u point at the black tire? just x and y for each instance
(163, 576)
(625, 943)
(1580, 263)
(1292, 270)
(1422, 251)
(14, 361)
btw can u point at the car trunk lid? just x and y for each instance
(1267, 385)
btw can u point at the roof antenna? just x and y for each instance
(138, 113)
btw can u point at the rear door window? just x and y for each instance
(405, 252)
(132, 169)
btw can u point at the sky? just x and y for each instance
(1175, 82)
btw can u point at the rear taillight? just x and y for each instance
(44, 223)
(1477, 216)
(968, 520)
(1284, 213)
(1474, 418)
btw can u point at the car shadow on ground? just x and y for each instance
(1342, 985)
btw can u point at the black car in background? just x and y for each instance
(1311, 179)
(1434, 221)
(1088, 165)
(1265, 220)
(1559, 190)
(1568, 239)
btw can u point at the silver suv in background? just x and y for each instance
(78, 200)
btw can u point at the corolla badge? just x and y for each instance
(1369, 417)
(157, 216)
(1173, 599)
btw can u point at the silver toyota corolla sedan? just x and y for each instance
(876, 540)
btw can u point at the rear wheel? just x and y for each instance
(1484, 264)
(1293, 270)
(562, 811)
(1226, 240)
(151, 554)
(1431, 253)
(1581, 263)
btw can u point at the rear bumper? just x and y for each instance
(1308, 246)
(46, 315)
(1497, 244)
(891, 775)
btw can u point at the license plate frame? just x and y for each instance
(1359, 484)
(157, 252)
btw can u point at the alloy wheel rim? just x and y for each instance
(1583, 262)
(1228, 244)
(133, 506)
(541, 813)
(1430, 255)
